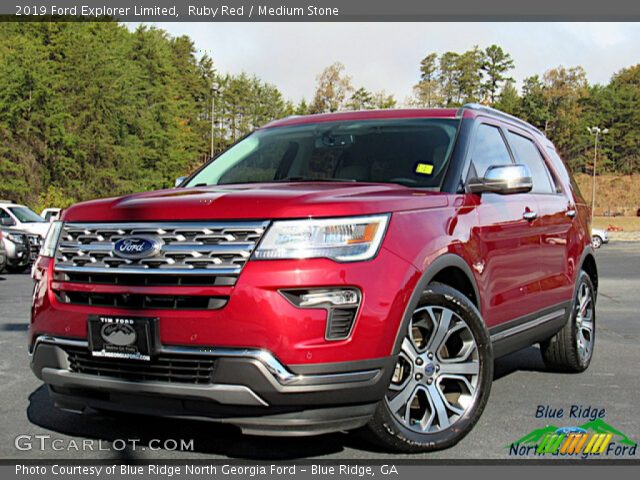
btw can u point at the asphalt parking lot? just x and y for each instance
(521, 384)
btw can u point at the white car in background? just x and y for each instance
(51, 214)
(599, 237)
(14, 215)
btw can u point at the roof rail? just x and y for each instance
(6, 201)
(498, 113)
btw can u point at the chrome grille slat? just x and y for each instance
(189, 248)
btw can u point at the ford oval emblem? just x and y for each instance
(137, 247)
(119, 334)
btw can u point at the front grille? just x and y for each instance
(206, 251)
(136, 301)
(35, 243)
(147, 280)
(164, 368)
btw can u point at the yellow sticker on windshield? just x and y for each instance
(424, 169)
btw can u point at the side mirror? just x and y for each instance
(503, 179)
(179, 181)
(7, 222)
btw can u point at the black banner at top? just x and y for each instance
(321, 10)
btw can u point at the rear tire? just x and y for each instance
(571, 349)
(443, 377)
(596, 241)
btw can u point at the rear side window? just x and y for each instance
(489, 149)
(562, 170)
(527, 153)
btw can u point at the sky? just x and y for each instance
(386, 56)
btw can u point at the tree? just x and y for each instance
(496, 63)
(621, 112)
(332, 89)
(302, 108)
(93, 109)
(361, 99)
(508, 101)
(425, 91)
(469, 76)
(449, 78)
(533, 105)
(564, 92)
(383, 101)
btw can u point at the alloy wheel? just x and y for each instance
(436, 376)
(584, 322)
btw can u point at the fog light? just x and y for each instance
(341, 304)
(331, 297)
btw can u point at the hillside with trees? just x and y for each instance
(93, 109)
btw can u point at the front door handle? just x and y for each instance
(529, 216)
(571, 213)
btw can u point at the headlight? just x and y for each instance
(342, 239)
(51, 240)
(15, 238)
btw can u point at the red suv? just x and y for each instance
(327, 272)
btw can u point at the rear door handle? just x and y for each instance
(571, 213)
(529, 216)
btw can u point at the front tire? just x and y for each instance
(443, 377)
(596, 241)
(571, 349)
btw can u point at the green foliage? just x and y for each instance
(363, 99)
(332, 90)
(560, 102)
(495, 64)
(92, 109)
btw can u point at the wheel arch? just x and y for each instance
(449, 269)
(589, 265)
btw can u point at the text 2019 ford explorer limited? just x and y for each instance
(328, 272)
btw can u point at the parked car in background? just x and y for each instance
(17, 249)
(23, 218)
(51, 214)
(599, 237)
(3, 254)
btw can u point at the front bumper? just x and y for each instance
(256, 314)
(17, 254)
(248, 388)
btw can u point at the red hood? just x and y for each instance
(257, 201)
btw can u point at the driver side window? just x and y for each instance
(489, 149)
(5, 218)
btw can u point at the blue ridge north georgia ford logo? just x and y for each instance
(137, 247)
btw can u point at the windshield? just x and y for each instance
(24, 215)
(410, 152)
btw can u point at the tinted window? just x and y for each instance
(562, 170)
(5, 218)
(527, 153)
(411, 152)
(25, 215)
(489, 149)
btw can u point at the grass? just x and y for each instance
(628, 224)
(615, 194)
